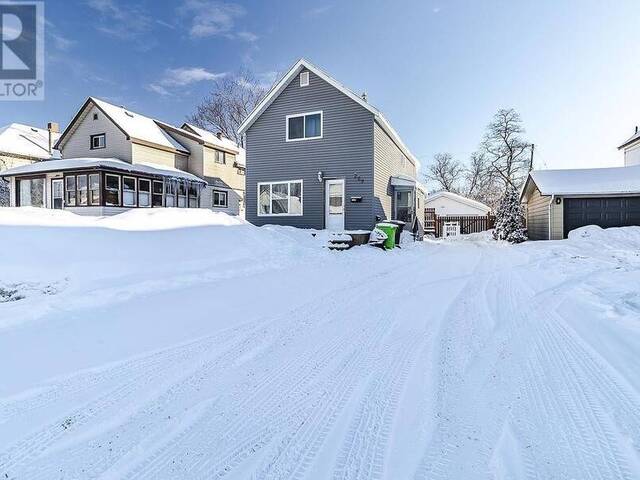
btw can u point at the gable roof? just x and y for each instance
(632, 139)
(586, 181)
(211, 138)
(26, 141)
(134, 125)
(302, 64)
(458, 198)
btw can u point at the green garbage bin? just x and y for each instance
(390, 230)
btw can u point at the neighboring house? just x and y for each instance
(23, 144)
(452, 204)
(320, 156)
(558, 201)
(631, 149)
(165, 166)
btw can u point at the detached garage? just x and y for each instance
(558, 201)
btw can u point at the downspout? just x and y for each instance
(550, 203)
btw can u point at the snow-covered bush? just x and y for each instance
(510, 218)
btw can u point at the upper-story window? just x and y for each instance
(304, 79)
(304, 126)
(98, 141)
(95, 116)
(219, 157)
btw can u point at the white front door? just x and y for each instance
(57, 194)
(334, 205)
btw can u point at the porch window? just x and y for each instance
(82, 185)
(70, 189)
(170, 187)
(182, 194)
(129, 188)
(280, 198)
(94, 189)
(219, 199)
(304, 126)
(144, 193)
(193, 194)
(31, 192)
(158, 188)
(112, 190)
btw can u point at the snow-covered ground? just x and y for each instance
(185, 344)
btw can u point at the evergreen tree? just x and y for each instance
(4, 193)
(510, 218)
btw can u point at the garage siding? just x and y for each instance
(538, 216)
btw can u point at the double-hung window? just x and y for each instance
(94, 189)
(98, 141)
(220, 199)
(280, 198)
(193, 194)
(111, 190)
(144, 192)
(219, 157)
(70, 189)
(170, 193)
(304, 126)
(158, 188)
(129, 191)
(182, 194)
(83, 187)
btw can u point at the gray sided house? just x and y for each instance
(319, 156)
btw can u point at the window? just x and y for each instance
(304, 79)
(170, 193)
(158, 188)
(280, 198)
(31, 192)
(193, 194)
(129, 189)
(182, 194)
(220, 199)
(70, 188)
(112, 190)
(95, 116)
(94, 189)
(219, 157)
(98, 141)
(144, 193)
(305, 126)
(82, 186)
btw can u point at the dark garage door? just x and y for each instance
(605, 212)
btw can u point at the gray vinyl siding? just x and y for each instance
(345, 152)
(78, 143)
(389, 161)
(538, 216)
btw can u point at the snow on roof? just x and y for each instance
(212, 138)
(138, 126)
(113, 163)
(587, 181)
(458, 198)
(302, 64)
(18, 139)
(630, 140)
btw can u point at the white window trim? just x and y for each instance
(102, 136)
(226, 198)
(304, 126)
(300, 181)
(135, 191)
(150, 192)
(305, 75)
(119, 189)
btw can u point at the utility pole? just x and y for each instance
(531, 160)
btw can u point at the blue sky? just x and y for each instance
(438, 70)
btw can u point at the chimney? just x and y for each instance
(53, 127)
(219, 135)
(364, 96)
(636, 128)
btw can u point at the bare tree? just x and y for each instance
(232, 99)
(446, 172)
(481, 183)
(506, 151)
